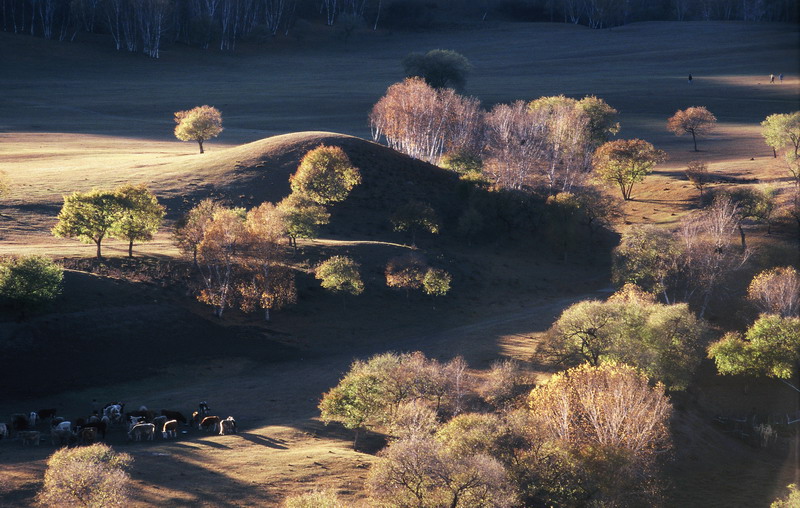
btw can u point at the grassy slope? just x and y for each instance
(94, 125)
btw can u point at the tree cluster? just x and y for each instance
(591, 435)
(29, 282)
(691, 265)
(662, 341)
(130, 212)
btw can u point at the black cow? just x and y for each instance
(174, 415)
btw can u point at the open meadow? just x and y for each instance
(78, 116)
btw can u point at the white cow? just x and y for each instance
(147, 430)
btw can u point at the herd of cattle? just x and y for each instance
(142, 424)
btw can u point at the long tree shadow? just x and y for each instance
(278, 444)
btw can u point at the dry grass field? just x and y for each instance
(76, 116)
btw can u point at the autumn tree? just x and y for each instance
(790, 500)
(190, 230)
(340, 274)
(440, 68)
(140, 215)
(697, 173)
(267, 283)
(89, 216)
(92, 476)
(770, 347)
(414, 216)
(325, 175)
(424, 123)
(302, 216)
(405, 272)
(30, 281)
(626, 162)
(198, 124)
(776, 291)
(436, 282)
(421, 471)
(224, 239)
(607, 414)
(696, 120)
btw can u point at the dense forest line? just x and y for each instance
(145, 25)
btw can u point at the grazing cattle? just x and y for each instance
(46, 413)
(227, 426)
(170, 429)
(101, 426)
(196, 419)
(140, 430)
(61, 437)
(146, 414)
(56, 421)
(159, 422)
(203, 409)
(114, 412)
(134, 421)
(19, 422)
(174, 415)
(210, 423)
(93, 419)
(33, 418)
(88, 435)
(29, 437)
(3, 430)
(65, 425)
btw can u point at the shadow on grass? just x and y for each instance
(278, 444)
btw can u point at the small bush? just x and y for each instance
(316, 499)
(30, 281)
(90, 476)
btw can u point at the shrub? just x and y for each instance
(30, 281)
(91, 476)
(440, 68)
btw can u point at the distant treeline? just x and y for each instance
(144, 25)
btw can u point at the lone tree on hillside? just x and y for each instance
(625, 162)
(325, 175)
(696, 121)
(405, 272)
(198, 124)
(89, 216)
(440, 68)
(140, 216)
(30, 281)
(90, 476)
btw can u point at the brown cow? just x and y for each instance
(210, 423)
(88, 435)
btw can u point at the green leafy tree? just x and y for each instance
(325, 175)
(89, 216)
(782, 132)
(660, 340)
(303, 217)
(340, 274)
(462, 162)
(696, 120)
(140, 215)
(415, 216)
(30, 281)
(770, 347)
(198, 124)
(90, 476)
(436, 282)
(625, 162)
(440, 68)
(647, 257)
(602, 119)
